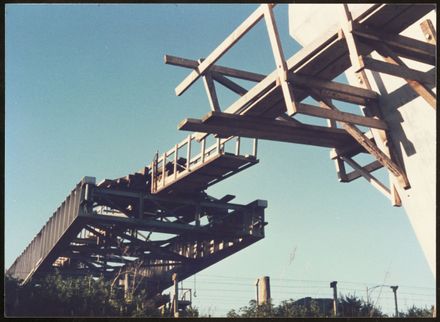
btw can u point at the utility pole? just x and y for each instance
(394, 288)
(176, 296)
(256, 286)
(335, 298)
(368, 299)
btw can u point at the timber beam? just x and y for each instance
(226, 125)
(217, 69)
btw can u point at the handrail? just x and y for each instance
(161, 164)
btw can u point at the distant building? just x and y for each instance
(325, 305)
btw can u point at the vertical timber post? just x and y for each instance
(237, 146)
(335, 298)
(176, 296)
(188, 153)
(126, 291)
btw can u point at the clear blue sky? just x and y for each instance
(88, 94)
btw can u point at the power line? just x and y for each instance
(308, 281)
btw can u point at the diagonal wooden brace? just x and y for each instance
(368, 176)
(279, 59)
(418, 87)
(347, 26)
(373, 149)
(429, 31)
(210, 90)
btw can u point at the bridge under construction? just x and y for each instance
(150, 226)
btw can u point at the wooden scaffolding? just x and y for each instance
(270, 109)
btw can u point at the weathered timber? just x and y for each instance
(229, 84)
(227, 125)
(421, 89)
(429, 31)
(374, 150)
(222, 70)
(368, 176)
(403, 46)
(337, 115)
(398, 70)
(372, 166)
(280, 61)
(332, 89)
(211, 92)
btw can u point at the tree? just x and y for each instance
(352, 306)
(417, 312)
(253, 310)
(349, 306)
(55, 295)
(284, 309)
(291, 308)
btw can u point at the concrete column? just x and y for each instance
(263, 290)
(411, 120)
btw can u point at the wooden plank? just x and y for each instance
(320, 83)
(374, 151)
(350, 150)
(341, 116)
(335, 90)
(226, 82)
(373, 166)
(230, 162)
(203, 174)
(340, 170)
(211, 92)
(398, 70)
(339, 164)
(216, 116)
(426, 93)
(226, 130)
(405, 46)
(280, 61)
(222, 70)
(353, 50)
(255, 127)
(429, 31)
(215, 55)
(370, 178)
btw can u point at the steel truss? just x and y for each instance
(119, 230)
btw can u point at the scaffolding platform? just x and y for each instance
(211, 165)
